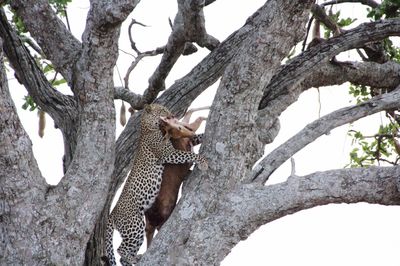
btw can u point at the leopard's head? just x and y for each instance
(152, 113)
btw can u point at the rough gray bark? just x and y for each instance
(53, 225)
(20, 178)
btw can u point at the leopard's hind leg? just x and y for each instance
(131, 229)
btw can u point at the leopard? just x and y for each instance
(143, 184)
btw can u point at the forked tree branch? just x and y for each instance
(320, 127)
(188, 26)
(57, 105)
(188, 49)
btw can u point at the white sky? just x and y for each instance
(358, 234)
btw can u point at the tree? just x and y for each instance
(64, 224)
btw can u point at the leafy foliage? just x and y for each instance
(360, 93)
(387, 9)
(341, 22)
(381, 147)
(60, 6)
(392, 51)
(45, 65)
(29, 103)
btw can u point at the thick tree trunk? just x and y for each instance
(60, 219)
(22, 187)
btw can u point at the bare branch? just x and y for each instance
(189, 48)
(179, 96)
(32, 44)
(139, 57)
(173, 50)
(293, 166)
(133, 44)
(309, 24)
(323, 126)
(386, 76)
(321, 16)
(370, 3)
(44, 25)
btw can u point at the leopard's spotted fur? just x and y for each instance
(143, 184)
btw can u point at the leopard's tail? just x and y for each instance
(110, 258)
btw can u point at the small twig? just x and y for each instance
(380, 136)
(307, 33)
(361, 55)
(293, 167)
(66, 19)
(54, 79)
(170, 23)
(377, 152)
(119, 75)
(387, 161)
(133, 44)
(32, 45)
(125, 52)
(130, 69)
(319, 103)
(140, 56)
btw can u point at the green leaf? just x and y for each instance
(29, 103)
(48, 68)
(58, 82)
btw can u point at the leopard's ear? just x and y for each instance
(147, 108)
